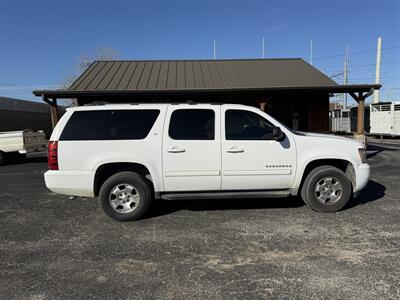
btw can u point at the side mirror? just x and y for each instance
(277, 134)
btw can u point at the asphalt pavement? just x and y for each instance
(54, 247)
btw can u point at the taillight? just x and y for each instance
(52, 155)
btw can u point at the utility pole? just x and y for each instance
(311, 50)
(215, 49)
(263, 48)
(378, 68)
(346, 75)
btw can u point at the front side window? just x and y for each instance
(192, 124)
(109, 125)
(246, 125)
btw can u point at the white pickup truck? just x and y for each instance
(129, 154)
(18, 143)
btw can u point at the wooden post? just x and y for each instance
(360, 115)
(263, 103)
(54, 112)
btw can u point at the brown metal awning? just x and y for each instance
(66, 94)
(176, 80)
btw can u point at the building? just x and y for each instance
(18, 114)
(291, 90)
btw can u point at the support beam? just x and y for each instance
(360, 99)
(360, 115)
(263, 103)
(53, 110)
(263, 106)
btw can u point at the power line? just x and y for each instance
(354, 53)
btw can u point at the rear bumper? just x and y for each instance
(74, 183)
(362, 177)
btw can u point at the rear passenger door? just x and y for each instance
(192, 148)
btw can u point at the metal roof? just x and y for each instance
(197, 76)
(11, 104)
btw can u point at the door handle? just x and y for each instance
(175, 150)
(235, 150)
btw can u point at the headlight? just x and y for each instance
(363, 155)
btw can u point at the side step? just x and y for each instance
(226, 195)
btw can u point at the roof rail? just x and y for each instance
(96, 103)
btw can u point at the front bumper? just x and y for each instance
(362, 177)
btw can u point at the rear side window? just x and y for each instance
(192, 124)
(109, 125)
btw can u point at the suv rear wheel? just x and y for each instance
(326, 189)
(125, 196)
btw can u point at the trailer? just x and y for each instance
(340, 120)
(385, 119)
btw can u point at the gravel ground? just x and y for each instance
(54, 247)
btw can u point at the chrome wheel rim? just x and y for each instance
(328, 190)
(124, 198)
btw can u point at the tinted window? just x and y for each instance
(109, 125)
(246, 125)
(192, 124)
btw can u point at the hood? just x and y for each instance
(332, 137)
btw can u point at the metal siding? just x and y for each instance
(81, 79)
(189, 75)
(215, 75)
(144, 79)
(99, 76)
(115, 81)
(133, 83)
(199, 74)
(171, 78)
(180, 75)
(162, 78)
(123, 85)
(91, 76)
(155, 72)
(208, 82)
(109, 76)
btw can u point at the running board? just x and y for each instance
(226, 195)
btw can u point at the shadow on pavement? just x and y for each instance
(164, 207)
(372, 192)
(14, 159)
(377, 149)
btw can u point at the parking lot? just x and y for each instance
(52, 246)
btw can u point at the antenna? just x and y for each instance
(378, 68)
(215, 49)
(346, 76)
(263, 48)
(311, 50)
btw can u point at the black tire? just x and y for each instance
(316, 177)
(2, 158)
(141, 188)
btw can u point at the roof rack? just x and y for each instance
(96, 103)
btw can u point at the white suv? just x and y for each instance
(129, 154)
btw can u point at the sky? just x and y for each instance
(41, 40)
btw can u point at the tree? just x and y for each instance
(83, 63)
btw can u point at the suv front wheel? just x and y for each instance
(326, 189)
(125, 196)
